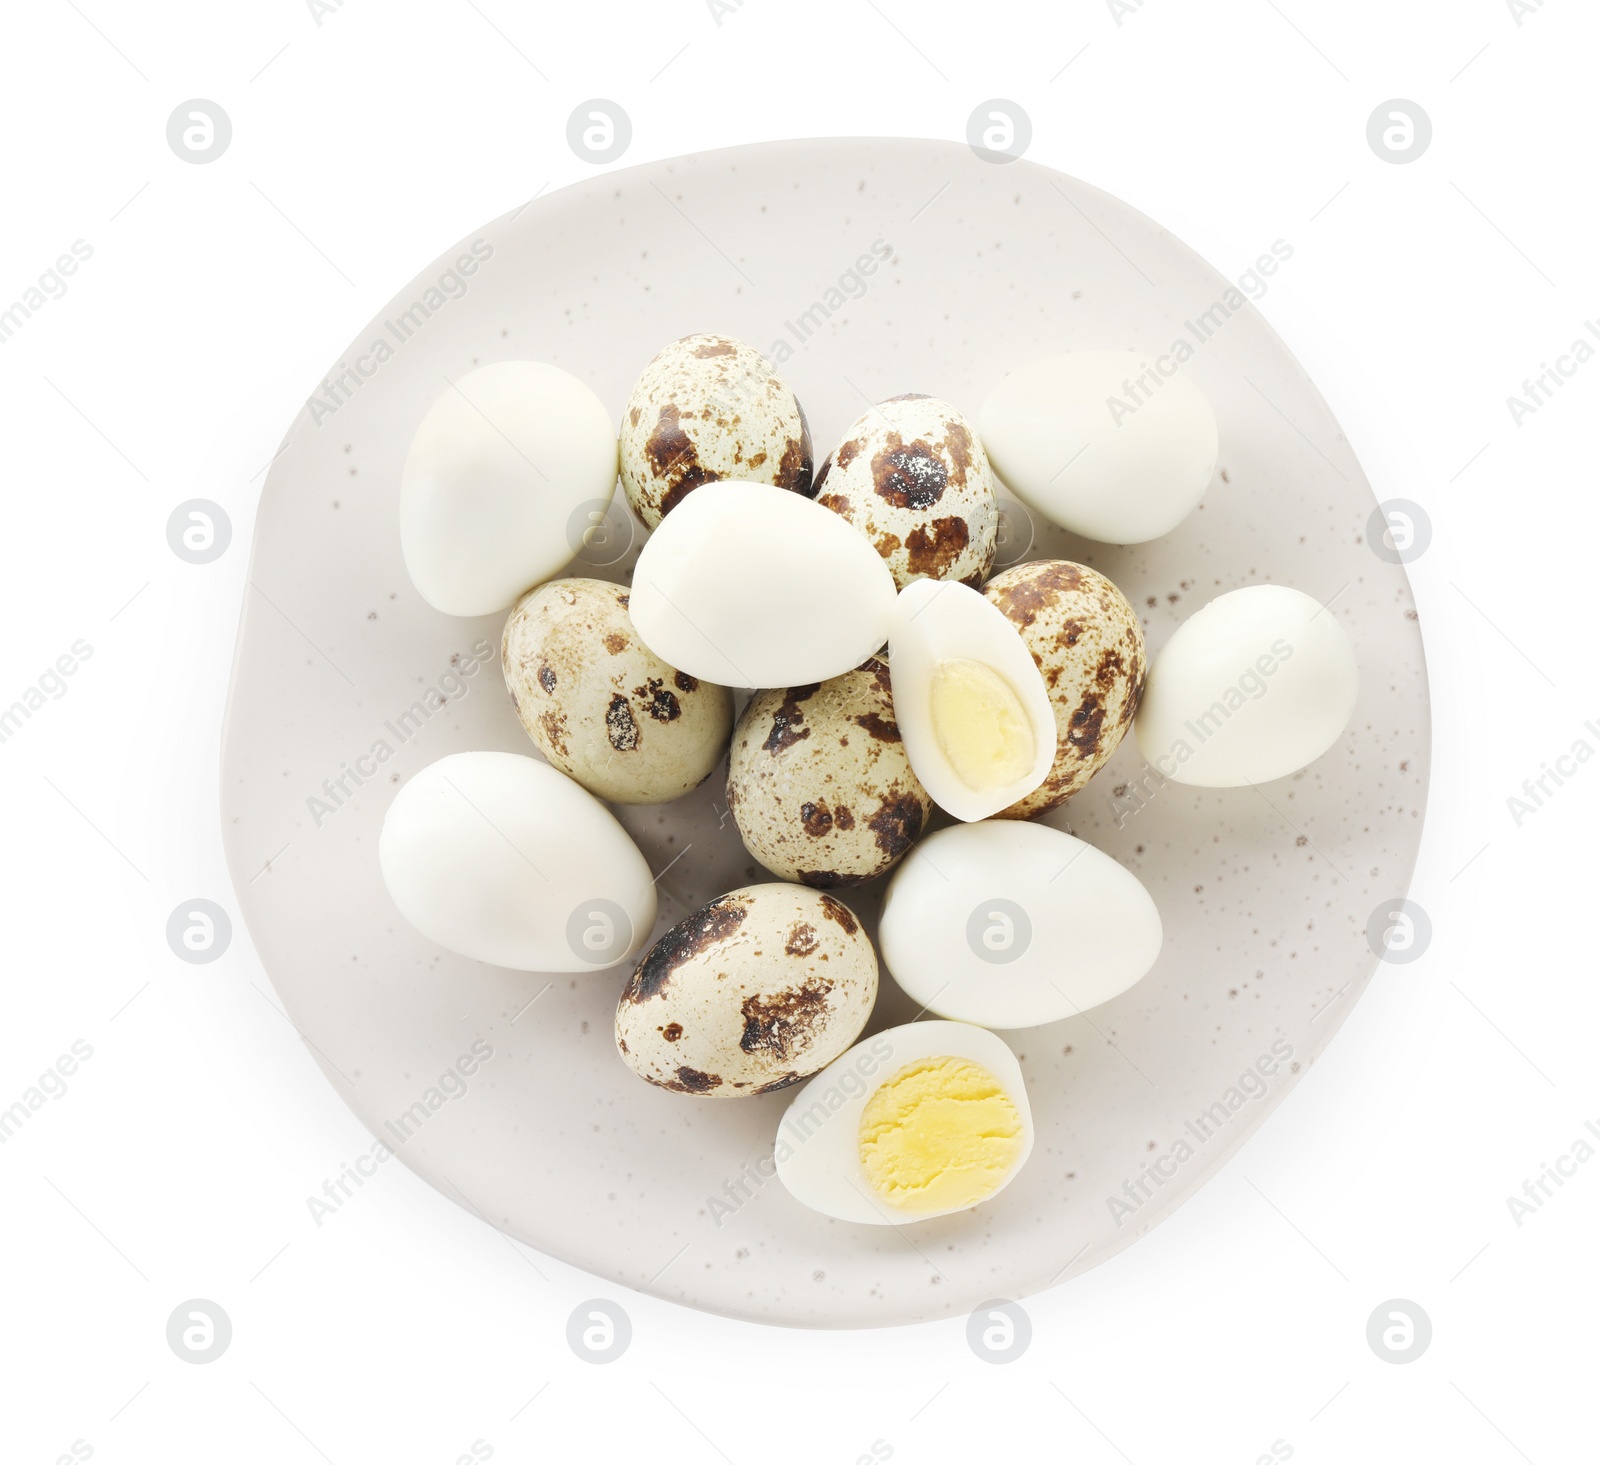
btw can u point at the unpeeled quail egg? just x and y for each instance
(916, 1122)
(600, 705)
(1252, 687)
(970, 703)
(911, 475)
(819, 782)
(506, 461)
(504, 859)
(748, 586)
(751, 993)
(705, 408)
(1084, 637)
(1109, 444)
(1011, 925)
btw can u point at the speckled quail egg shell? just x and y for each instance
(504, 462)
(1011, 925)
(817, 1148)
(911, 475)
(1085, 639)
(1252, 687)
(751, 993)
(819, 782)
(935, 622)
(603, 707)
(748, 586)
(705, 408)
(505, 859)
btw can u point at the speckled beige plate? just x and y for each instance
(1265, 894)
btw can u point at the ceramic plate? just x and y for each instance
(502, 1088)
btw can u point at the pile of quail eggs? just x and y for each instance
(833, 631)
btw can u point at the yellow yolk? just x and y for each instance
(980, 724)
(941, 1134)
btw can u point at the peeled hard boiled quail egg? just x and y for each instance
(504, 859)
(1011, 925)
(917, 1122)
(1253, 686)
(819, 782)
(969, 701)
(1085, 639)
(748, 586)
(710, 407)
(1108, 444)
(749, 994)
(502, 463)
(911, 475)
(600, 705)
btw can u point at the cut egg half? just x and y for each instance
(507, 462)
(747, 585)
(972, 708)
(919, 1121)
(1255, 685)
(1108, 444)
(1007, 924)
(506, 860)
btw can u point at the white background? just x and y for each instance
(178, 1162)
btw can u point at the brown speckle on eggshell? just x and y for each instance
(753, 992)
(1084, 637)
(819, 782)
(911, 475)
(708, 408)
(600, 705)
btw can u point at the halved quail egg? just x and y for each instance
(970, 702)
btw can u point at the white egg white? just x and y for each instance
(1121, 474)
(506, 860)
(499, 469)
(818, 1144)
(936, 621)
(1253, 686)
(747, 585)
(1011, 925)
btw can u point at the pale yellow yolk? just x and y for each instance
(980, 724)
(941, 1134)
